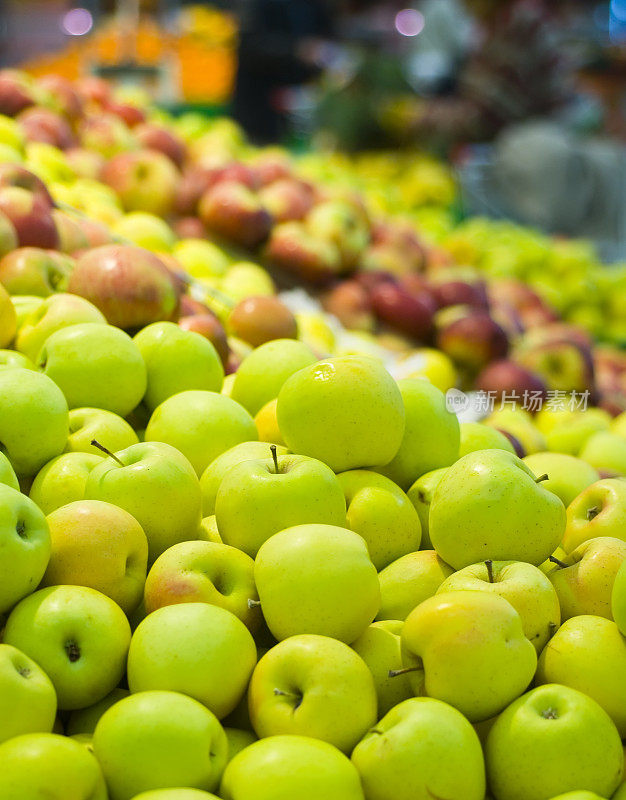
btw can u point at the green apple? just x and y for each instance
(159, 740)
(98, 366)
(257, 499)
(200, 258)
(157, 485)
(28, 702)
(261, 374)
(177, 794)
(33, 419)
(518, 423)
(421, 495)
(582, 795)
(477, 436)
(24, 544)
(620, 794)
(267, 423)
(145, 230)
(289, 767)
(468, 649)
(208, 532)
(567, 475)
(317, 579)
(54, 313)
(551, 740)
(10, 359)
(431, 434)
(618, 599)
(588, 653)
(39, 765)
(408, 581)
(421, 749)
(489, 505)
(245, 279)
(204, 572)
(11, 133)
(202, 425)
(379, 647)
(526, 588)
(618, 425)
(78, 636)
(313, 686)
(197, 649)
(84, 720)
(238, 740)
(107, 428)
(177, 361)
(213, 475)
(347, 412)
(24, 305)
(584, 579)
(600, 510)
(570, 435)
(380, 512)
(99, 545)
(606, 451)
(7, 473)
(62, 480)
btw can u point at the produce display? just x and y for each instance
(248, 550)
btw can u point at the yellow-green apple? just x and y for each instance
(77, 635)
(600, 510)
(285, 767)
(421, 749)
(62, 480)
(259, 319)
(51, 766)
(261, 374)
(431, 434)
(293, 249)
(72, 237)
(144, 181)
(25, 543)
(8, 318)
(313, 686)
(580, 795)
(209, 326)
(8, 235)
(235, 213)
(287, 198)
(382, 514)
(584, 579)
(551, 740)
(31, 218)
(145, 230)
(238, 740)
(176, 361)
(618, 599)
(267, 423)
(7, 473)
(606, 452)
(107, 428)
(99, 545)
(588, 653)
(421, 495)
(130, 285)
(567, 475)
(489, 505)
(33, 419)
(95, 365)
(159, 740)
(408, 581)
(343, 222)
(477, 436)
(84, 720)
(257, 499)
(526, 588)
(346, 411)
(180, 794)
(10, 359)
(570, 434)
(157, 485)
(317, 579)
(559, 354)
(198, 649)
(431, 364)
(28, 702)
(24, 305)
(379, 647)
(516, 423)
(105, 134)
(217, 469)
(200, 258)
(204, 572)
(201, 424)
(56, 312)
(246, 279)
(481, 673)
(208, 532)
(39, 124)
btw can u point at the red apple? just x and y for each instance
(233, 212)
(64, 95)
(86, 163)
(144, 181)
(128, 113)
(270, 167)
(8, 235)
(473, 340)
(257, 320)
(208, 325)
(15, 95)
(405, 312)
(156, 137)
(106, 134)
(96, 232)
(72, 236)
(506, 377)
(458, 292)
(349, 301)
(294, 249)
(385, 257)
(93, 89)
(16, 175)
(561, 355)
(31, 217)
(43, 125)
(401, 237)
(287, 199)
(189, 228)
(31, 270)
(192, 185)
(131, 286)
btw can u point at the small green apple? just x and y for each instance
(107, 428)
(177, 361)
(313, 686)
(208, 532)
(84, 720)
(606, 451)
(600, 510)
(421, 495)
(618, 599)
(582, 795)
(62, 480)
(159, 740)
(570, 435)
(379, 647)
(238, 740)
(317, 579)
(551, 740)
(202, 425)
(477, 436)
(98, 366)
(28, 702)
(78, 636)
(10, 359)
(422, 748)
(567, 475)
(7, 473)
(145, 230)
(200, 258)
(347, 412)
(177, 794)
(408, 581)
(197, 649)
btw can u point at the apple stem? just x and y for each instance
(544, 477)
(553, 628)
(394, 673)
(489, 565)
(558, 562)
(275, 457)
(253, 603)
(97, 444)
(592, 513)
(297, 697)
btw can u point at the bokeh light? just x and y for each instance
(409, 22)
(77, 22)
